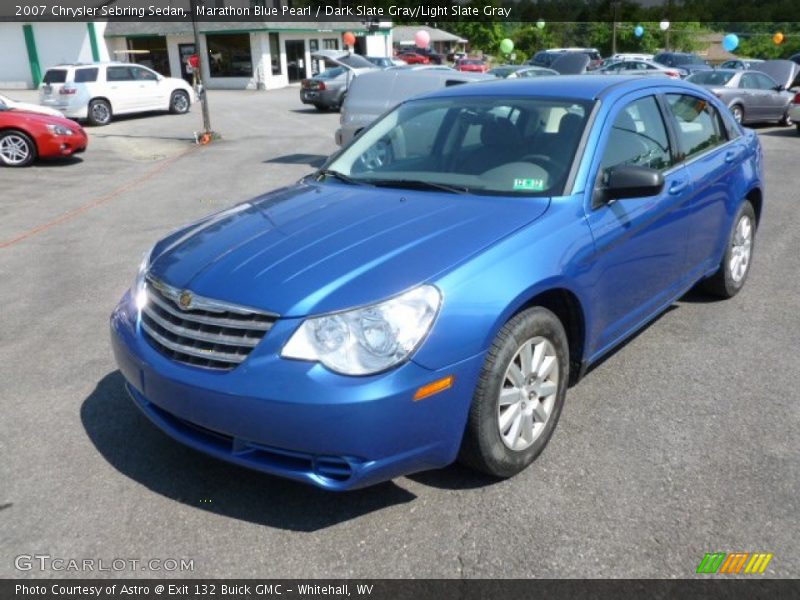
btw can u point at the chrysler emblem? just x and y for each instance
(185, 299)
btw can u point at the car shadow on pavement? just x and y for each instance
(310, 111)
(66, 161)
(137, 449)
(785, 132)
(312, 160)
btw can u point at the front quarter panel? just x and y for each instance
(482, 294)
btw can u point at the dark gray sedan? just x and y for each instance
(752, 96)
(328, 89)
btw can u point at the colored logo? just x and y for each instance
(734, 563)
(185, 300)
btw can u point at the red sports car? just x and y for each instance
(413, 58)
(472, 65)
(25, 136)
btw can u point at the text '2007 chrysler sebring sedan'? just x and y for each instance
(430, 292)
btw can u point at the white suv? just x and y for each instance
(97, 91)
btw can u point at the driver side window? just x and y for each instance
(638, 137)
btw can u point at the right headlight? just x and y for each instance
(370, 339)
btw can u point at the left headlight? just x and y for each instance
(60, 130)
(370, 339)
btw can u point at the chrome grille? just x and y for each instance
(206, 333)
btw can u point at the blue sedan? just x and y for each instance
(431, 292)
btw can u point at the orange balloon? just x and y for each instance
(349, 39)
(778, 38)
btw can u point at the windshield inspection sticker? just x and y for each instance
(530, 185)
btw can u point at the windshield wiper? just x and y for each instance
(421, 185)
(337, 175)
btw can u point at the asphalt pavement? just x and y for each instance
(682, 442)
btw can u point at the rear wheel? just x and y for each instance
(179, 103)
(787, 121)
(738, 113)
(321, 107)
(733, 271)
(519, 395)
(16, 149)
(99, 112)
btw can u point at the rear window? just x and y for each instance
(86, 75)
(331, 73)
(55, 76)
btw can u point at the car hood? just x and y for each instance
(316, 248)
(24, 115)
(782, 71)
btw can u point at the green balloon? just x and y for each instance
(506, 46)
(540, 24)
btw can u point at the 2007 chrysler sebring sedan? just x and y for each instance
(431, 292)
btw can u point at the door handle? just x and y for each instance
(730, 156)
(676, 187)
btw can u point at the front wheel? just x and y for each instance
(519, 395)
(179, 103)
(16, 149)
(733, 271)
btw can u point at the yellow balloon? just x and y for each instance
(778, 38)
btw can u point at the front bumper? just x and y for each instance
(296, 419)
(54, 146)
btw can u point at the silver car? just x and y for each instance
(373, 94)
(752, 96)
(641, 67)
(328, 89)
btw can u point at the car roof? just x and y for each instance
(580, 87)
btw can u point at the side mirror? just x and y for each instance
(779, 88)
(630, 181)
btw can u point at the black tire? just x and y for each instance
(798, 128)
(483, 446)
(99, 112)
(738, 113)
(179, 103)
(321, 107)
(724, 283)
(786, 121)
(16, 149)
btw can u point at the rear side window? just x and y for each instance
(86, 75)
(55, 76)
(638, 137)
(119, 74)
(699, 124)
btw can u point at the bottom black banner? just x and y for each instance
(378, 589)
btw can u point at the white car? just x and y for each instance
(794, 110)
(27, 106)
(98, 91)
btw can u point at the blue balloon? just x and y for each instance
(638, 31)
(730, 42)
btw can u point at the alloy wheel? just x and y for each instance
(14, 149)
(528, 395)
(741, 249)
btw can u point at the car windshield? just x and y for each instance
(485, 145)
(711, 77)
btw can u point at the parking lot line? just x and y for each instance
(96, 202)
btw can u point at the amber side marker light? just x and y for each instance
(437, 386)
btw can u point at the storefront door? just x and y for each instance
(295, 60)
